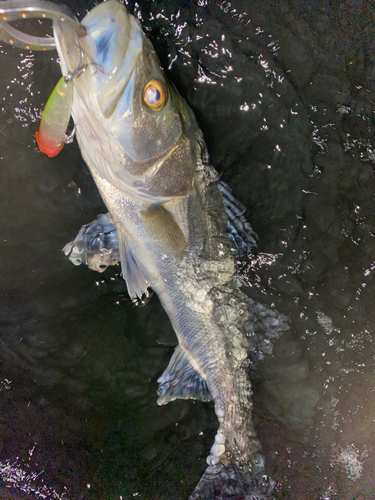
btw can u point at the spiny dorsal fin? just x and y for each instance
(181, 381)
(243, 238)
(163, 230)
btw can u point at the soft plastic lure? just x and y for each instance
(51, 135)
(52, 130)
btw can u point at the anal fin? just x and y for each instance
(181, 381)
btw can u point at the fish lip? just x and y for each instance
(111, 67)
(110, 95)
(102, 96)
(67, 41)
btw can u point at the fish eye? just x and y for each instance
(155, 95)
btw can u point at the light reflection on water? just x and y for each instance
(18, 478)
(285, 103)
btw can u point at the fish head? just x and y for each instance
(132, 126)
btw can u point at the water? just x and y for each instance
(284, 94)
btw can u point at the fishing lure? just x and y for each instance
(51, 136)
(56, 115)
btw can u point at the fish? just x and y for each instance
(173, 225)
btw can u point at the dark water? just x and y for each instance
(284, 94)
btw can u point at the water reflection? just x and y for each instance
(284, 96)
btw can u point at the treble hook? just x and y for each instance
(81, 68)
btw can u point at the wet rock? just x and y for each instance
(295, 57)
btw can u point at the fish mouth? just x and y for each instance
(121, 139)
(109, 46)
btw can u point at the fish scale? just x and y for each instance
(176, 224)
(151, 210)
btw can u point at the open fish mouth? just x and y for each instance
(128, 118)
(125, 122)
(108, 51)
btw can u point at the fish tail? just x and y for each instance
(221, 482)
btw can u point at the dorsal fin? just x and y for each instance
(243, 238)
(181, 381)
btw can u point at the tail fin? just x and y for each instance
(221, 482)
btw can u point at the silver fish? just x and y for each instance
(147, 156)
(173, 225)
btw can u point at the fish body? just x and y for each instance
(147, 156)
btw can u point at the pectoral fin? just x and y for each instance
(96, 245)
(163, 230)
(181, 381)
(137, 280)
